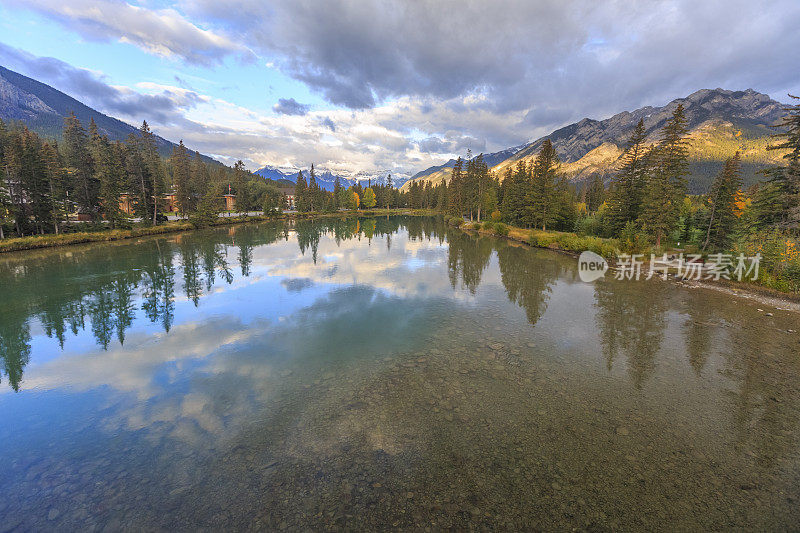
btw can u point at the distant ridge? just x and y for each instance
(43, 108)
(326, 179)
(720, 123)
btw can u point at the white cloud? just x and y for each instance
(163, 32)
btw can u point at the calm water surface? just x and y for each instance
(383, 373)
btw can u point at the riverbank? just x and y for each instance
(573, 244)
(36, 242)
(559, 241)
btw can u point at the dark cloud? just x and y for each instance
(290, 106)
(328, 123)
(592, 58)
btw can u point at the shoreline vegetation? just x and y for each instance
(557, 241)
(50, 240)
(573, 244)
(644, 209)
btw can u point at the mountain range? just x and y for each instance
(43, 108)
(326, 179)
(720, 123)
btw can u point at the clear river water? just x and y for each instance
(387, 373)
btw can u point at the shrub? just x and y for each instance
(501, 229)
(633, 240)
(489, 226)
(476, 226)
(496, 215)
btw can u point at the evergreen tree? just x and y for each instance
(722, 209)
(337, 191)
(241, 186)
(34, 182)
(313, 190)
(515, 185)
(455, 188)
(152, 172)
(77, 158)
(56, 185)
(628, 184)
(6, 206)
(181, 176)
(200, 178)
(666, 183)
(779, 204)
(594, 194)
(301, 192)
(541, 200)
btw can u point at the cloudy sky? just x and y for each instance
(371, 85)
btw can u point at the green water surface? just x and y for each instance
(387, 373)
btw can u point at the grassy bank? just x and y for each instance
(35, 242)
(552, 240)
(774, 279)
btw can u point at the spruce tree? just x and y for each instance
(337, 191)
(780, 202)
(722, 208)
(34, 181)
(56, 184)
(666, 182)
(541, 200)
(241, 186)
(200, 178)
(181, 176)
(300, 193)
(628, 184)
(594, 194)
(455, 189)
(153, 172)
(78, 160)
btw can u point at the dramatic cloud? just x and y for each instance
(163, 32)
(160, 104)
(413, 84)
(574, 57)
(290, 106)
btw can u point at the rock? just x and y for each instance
(555, 486)
(53, 514)
(623, 431)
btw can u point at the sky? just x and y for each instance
(380, 85)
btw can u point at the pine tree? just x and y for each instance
(594, 194)
(200, 178)
(628, 184)
(779, 205)
(56, 184)
(456, 189)
(180, 177)
(301, 192)
(241, 186)
(78, 160)
(722, 209)
(313, 190)
(541, 201)
(666, 183)
(152, 173)
(337, 191)
(5, 199)
(34, 182)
